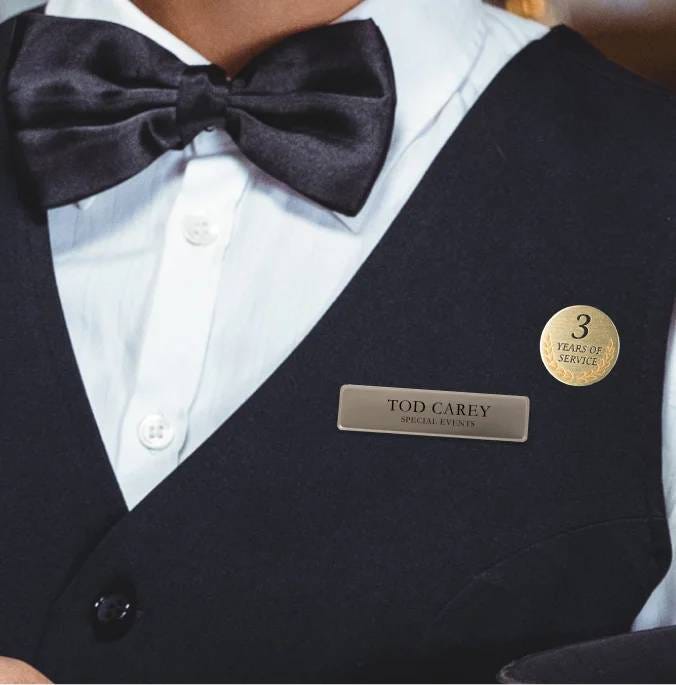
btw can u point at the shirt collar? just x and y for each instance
(433, 44)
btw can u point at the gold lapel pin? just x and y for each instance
(579, 345)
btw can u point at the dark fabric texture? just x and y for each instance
(286, 550)
(93, 103)
(645, 657)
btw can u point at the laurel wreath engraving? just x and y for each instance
(580, 377)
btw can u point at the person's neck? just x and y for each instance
(230, 32)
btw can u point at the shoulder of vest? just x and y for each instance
(565, 43)
(562, 96)
(575, 67)
(7, 30)
(7, 39)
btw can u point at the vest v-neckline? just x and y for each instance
(81, 422)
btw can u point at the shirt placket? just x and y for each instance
(176, 333)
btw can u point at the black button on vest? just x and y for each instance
(113, 615)
(284, 549)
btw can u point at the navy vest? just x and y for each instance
(285, 549)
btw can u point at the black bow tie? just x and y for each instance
(94, 103)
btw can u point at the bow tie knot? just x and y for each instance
(202, 100)
(316, 111)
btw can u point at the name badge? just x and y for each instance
(436, 413)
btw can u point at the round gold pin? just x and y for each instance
(579, 345)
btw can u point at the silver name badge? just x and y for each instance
(435, 413)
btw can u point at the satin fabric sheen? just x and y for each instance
(316, 111)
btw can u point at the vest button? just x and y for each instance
(114, 614)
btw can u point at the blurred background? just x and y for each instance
(640, 34)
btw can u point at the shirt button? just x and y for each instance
(114, 614)
(198, 230)
(155, 432)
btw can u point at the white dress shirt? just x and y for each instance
(185, 287)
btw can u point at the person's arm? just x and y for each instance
(15, 671)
